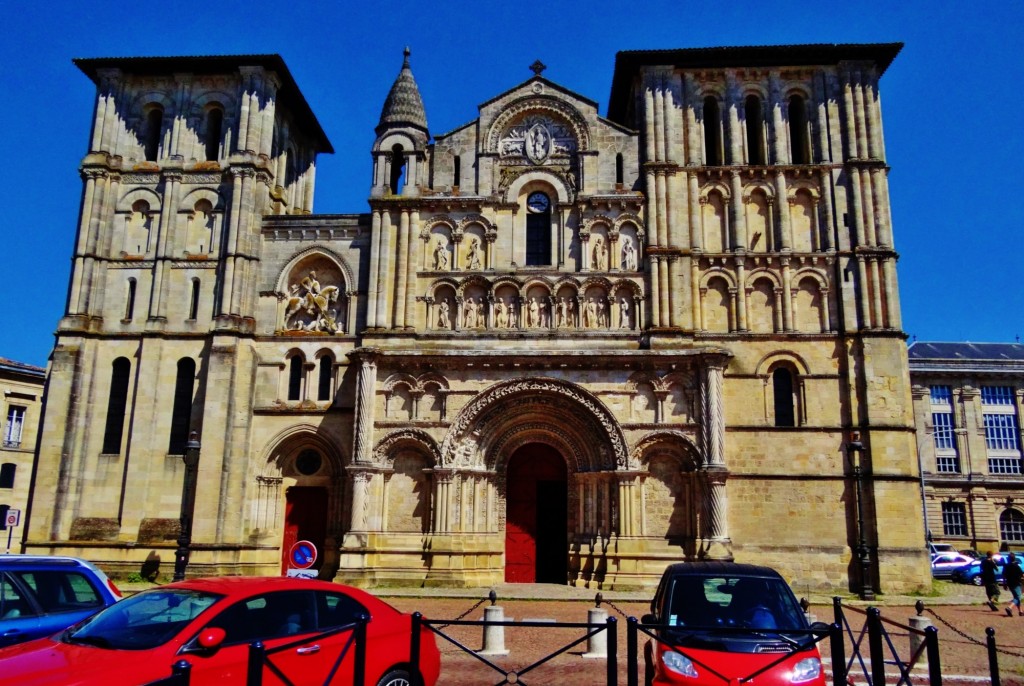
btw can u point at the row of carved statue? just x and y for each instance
(593, 314)
(598, 254)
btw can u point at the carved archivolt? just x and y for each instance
(384, 451)
(681, 445)
(548, 434)
(607, 434)
(549, 107)
(419, 383)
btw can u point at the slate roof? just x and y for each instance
(403, 106)
(927, 350)
(21, 367)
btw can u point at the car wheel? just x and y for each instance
(396, 677)
(976, 581)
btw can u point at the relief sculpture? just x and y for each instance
(310, 306)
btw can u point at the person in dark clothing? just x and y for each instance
(1012, 575)
(988, 579)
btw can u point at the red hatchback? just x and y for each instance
(722, 623)
(210, 623)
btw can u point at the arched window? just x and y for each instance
(117, 404)
(1011, 526)
(154, 127)
(755, 130)
(7, 470)
(799, 139)
(538, 229)
(620, 172)
(326, 373)
(214, 126)
(397, 169)
(782, 386)
(129, 305)
(295, 365)
(181, 412)
(193, 308)
(712, 132)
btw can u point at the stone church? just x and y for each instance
(560, 346)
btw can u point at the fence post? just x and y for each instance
(359, 668)
(254, 671)
(838, 651)
(613, 652)
(875, 646)
(931, 639)
(182, 669)
(414, 646)
(993, 659)
(632, 658)
(837, 610)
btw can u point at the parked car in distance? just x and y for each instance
(971, 573)
(210, 624)
(724, 622)
(40, 595)
(944, 564)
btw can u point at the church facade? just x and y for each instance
(559, 347)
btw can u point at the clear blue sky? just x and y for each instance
(951, 108)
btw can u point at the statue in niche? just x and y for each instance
(589, 314)
(628, 255)
(441, 254)
(513, 314)
(533, 314)
(570, 306)
(501, 314)
(315, 301)
(600, 253)
(623, 313)
(602, 318)
(561, 313)
(470, 313)
(542, 317)
(475, 260)
(443, 309)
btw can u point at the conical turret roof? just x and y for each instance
(404, 106)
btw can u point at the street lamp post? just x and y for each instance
(856, 449)
(188, 506)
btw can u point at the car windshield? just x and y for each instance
(699, 602)
(143, 621)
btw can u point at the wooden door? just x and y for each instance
(535, 522)
(305, 519)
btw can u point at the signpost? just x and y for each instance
(11, 520)
(301, 558)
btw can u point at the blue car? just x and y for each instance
(41, 595)
(971, 573)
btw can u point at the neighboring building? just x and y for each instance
(559, 347)
(968, 405)
(22, 386)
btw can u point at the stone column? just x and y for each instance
(398, 317)
(696, 222)
(825, 208)
(787, 299)
(385, 254)
(360, 481)
(713, 419)
(739, 223)
(375, 240)
(785, 225)
(664, 306)
(892, 301)
(733, 98)
(411, 285)
(780, 150)
(365, 404)
(741, 293)
(655, 286)
(876, 295)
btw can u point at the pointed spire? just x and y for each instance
(403, 106)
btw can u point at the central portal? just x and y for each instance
(536, 544)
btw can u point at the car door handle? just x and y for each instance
(308, 650)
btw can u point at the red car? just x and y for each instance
(211, 622)
(719, 623)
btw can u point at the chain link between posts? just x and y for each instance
(969, 638)
(464, 614)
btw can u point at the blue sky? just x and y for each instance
(951, 108)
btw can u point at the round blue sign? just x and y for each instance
(302, 555)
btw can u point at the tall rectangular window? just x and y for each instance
(1002, 432)
(15, 423)
(996, 395)
(954, 519)
(941, 395)
(946, 459)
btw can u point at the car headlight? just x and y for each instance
(807, 669)
(678, 663)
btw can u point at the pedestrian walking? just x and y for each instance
(1012, 575)
(988, 579)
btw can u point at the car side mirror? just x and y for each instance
(211, 638)
(820, 627)
(649, 619)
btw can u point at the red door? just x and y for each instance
(535, 470)
(305, 519)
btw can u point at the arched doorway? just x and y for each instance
(536, 502)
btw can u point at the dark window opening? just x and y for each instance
(619, 170)
(538, 231)
(154, 127)
(295, 378)
(326, 374)
(755, 130)
(181, 412)
(7, 470)
(397, 170)
(712, 132)
(782, 384)
(3, 517)
(117, 404)
(800, 145)
(457, 174)
(129, 308)
(193, 308)
(214, 124)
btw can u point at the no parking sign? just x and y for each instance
(302, 555)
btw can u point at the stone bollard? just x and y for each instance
(494, 636)
(597, 645)
(918, 623)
